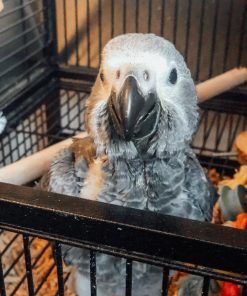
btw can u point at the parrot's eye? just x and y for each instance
(102, 76)
(118, 74)
(146, 75)
(173, 76)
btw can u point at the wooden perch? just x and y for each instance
(222, 83)
(34, 166)
(1, 5)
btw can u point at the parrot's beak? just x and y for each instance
(134, 115)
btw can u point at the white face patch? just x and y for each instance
(148, 69)
(118, 65)
(120, 59)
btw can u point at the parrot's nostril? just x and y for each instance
(118, 74)
(146, 75)
(102, 76)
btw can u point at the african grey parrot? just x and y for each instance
(140, 119)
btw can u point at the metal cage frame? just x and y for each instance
(128, 231)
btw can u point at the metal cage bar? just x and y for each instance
(93, 284)
(169, 232)
(32, 266)
(165, 281)
(17, 23)
(205, 287)
(29, 272)
(128, 289)
(59, 263)
(2, 284)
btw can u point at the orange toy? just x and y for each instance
(229, 289)
(241, 221)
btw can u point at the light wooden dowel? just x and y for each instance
(1, 5)
(219, 84)
(34, 166)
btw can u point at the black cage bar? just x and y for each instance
(123, 238)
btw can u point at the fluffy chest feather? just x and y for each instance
(175, 185)
(158, 185)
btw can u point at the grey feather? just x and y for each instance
(159, 174)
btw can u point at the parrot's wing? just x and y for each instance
(69, 168)
(200, 187)
(61, 177)
(66, 176)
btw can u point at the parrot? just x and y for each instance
(140, 120)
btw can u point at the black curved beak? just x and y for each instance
(134, 116)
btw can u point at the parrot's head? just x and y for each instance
(144, 99)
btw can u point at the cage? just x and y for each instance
(49, 55)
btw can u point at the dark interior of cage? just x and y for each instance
(49, 55)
